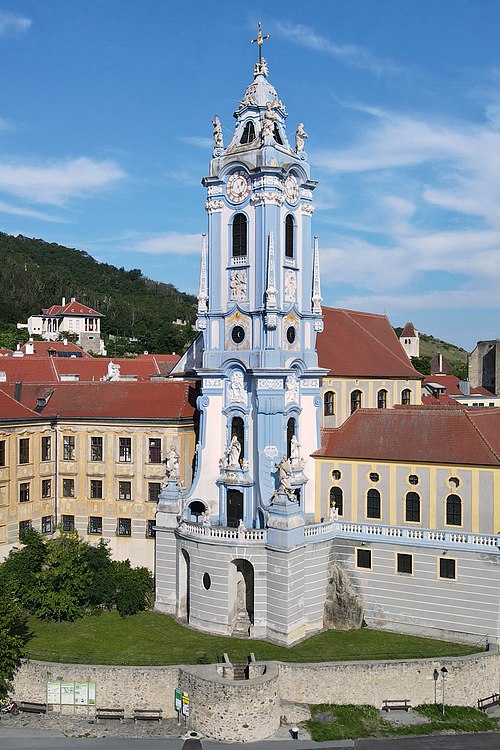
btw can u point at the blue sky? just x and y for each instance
(105, 134)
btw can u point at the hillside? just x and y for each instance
(429, 346)
(36, 274)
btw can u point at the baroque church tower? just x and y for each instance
(259, 311)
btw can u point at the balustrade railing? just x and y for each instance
(223, 532)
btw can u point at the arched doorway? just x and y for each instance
(184, 585)
(241, 597)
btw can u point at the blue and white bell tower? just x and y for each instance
(259, 311)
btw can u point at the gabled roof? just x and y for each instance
(72, 308)
(111, 400)
(417, 434)
(408, 331)
(358, 344)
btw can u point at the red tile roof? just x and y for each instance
(418, 434)
(41, 348)
(11, 409)
(449, 383)
(72, 308)
(358, 344)
(408, 330)
(111, 400)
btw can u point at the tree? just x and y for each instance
(14, 634)
(18, 572)
(422, 364)
(133, 588)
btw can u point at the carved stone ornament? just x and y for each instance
(307, 209)
(212, 383)
(172, 465)
(215, 190)
(238, 285)
(275, 199)
(271, 451)
(269, 384)
(267, 181)
(290, 285)
(307, 194)
(236, 392)
(292, 389)
(310, 383)
(213, 206)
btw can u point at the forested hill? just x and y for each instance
(36, 274)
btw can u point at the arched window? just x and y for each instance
(289, 249)
(238, 430)
(406, 397)
(197, 509)
(239, 236)
(355, 401)
(373, 504)
(453, 510)
(337, 499)
(329, 404)
(290, 432)
(277, 135)
(412, 506)
(382, 399)
(248, 133)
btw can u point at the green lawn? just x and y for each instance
(331, 723)
(150, 638)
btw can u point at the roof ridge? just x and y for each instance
(485, 440)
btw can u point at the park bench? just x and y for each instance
(402, 704)
(109, 713)
(491, 700)
(147, 714)
(32, 708)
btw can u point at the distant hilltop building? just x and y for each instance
(72, 317)
(410, 340)
(439, 365)
(484, 366)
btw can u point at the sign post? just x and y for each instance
(185, 705)
(178, 704)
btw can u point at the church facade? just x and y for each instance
(284, 516)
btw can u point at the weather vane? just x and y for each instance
(260, 41)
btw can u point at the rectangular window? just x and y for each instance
(150, 528)
(24, 492)
(96, 448)
(404, 563)
(46, 488)
(126, 449)
(46, 524)
(155, 450)
(124, 527)
(95, 525)
(46, 448)
(68, 447)
(125, 490)
(96, 489)
(68, 487)
(2, 452)
(68, 523)
(448, 568)
(24, 526)
(154, 489)
(24, 450)
(364, 558)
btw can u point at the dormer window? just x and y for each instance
(239, 247)
(248, 133)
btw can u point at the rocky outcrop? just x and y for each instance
(343, 606)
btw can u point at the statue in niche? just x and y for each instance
(236, 389)
(232, 453)
(218, 140)
(290, 285)
(295, 451)
(270, 118)
(334, 513)
(284, 475)
(300, 136)
(238, 285)
(292, 389)
(172, 465)
(206, 518)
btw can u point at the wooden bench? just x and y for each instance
(402, 704)
(491, 700)
(147, 714)
(32, 708)
(109, 713)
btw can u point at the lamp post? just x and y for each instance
(444, 672)
(435, 675)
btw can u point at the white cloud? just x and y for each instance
(57, 182)
(347, 53)
(167, 243)
(6, 208)
(12, 24)
(198, 141)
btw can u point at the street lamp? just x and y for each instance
(444, 672)
(435, 675)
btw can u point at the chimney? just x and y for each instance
(17, 391)
(29, 347)
(464, 387)
(65, 342)
(63, 302)
(73, 299)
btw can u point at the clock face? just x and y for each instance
(291, 189)
(238, 187)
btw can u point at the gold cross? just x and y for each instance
(260, 41)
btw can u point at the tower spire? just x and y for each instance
(261, 65)
(316, 285)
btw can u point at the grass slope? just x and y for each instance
(150, 638)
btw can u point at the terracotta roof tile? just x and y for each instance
(12, 409)
(418, 434)
(408, 330)
(358, 344)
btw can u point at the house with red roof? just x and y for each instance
(71, 317)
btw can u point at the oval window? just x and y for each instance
(207, 581)
(238, 334)
(291, 334)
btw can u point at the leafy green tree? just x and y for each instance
(460, 370)
(134, 588)
(14, 634)
(422, 364)
(102, 588)
(18, 573)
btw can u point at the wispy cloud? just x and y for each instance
(174, 243)
(57, 182)
(349, 54)
(11, 24)
(198, 141)
(7, 208)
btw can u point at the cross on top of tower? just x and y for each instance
(260, 66)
